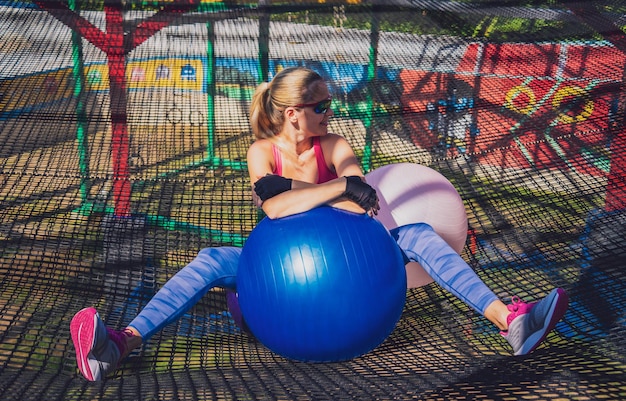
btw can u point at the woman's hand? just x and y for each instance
(362, 194)
(271, 185)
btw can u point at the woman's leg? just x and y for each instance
(524, 325)
(213, 267)
(99, 349)
(422, 244)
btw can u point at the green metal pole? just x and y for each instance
(371, 101)
(78, 75)
(210, 81)
(212, 159)
(264, 39)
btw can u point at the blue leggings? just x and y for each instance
(213, 267)
(422, 244)
(217, 267)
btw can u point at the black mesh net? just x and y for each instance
(124, 132)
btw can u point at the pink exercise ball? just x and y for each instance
(411, 193)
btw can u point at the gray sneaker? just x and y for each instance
(529, 324)
(98, 348)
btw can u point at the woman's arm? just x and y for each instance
(305, 196)
(301, 197)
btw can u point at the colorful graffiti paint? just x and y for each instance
(551, 113)
(30, 92)
(184, 74)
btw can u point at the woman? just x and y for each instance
(296, 165)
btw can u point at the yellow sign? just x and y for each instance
(170, 73)
(33, 90)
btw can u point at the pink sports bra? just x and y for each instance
(324, 174)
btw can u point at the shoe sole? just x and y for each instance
(557, 310)
(82, 329)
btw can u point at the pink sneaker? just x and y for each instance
(529, 324)
(98, 348)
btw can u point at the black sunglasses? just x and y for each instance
(319, 107)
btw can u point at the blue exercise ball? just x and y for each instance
(322, 286)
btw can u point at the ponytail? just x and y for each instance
(289, 87)
(260, 112)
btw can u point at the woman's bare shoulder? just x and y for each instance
(332, 139)
(260, 146)
(334, 142)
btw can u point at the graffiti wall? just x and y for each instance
(551, 113)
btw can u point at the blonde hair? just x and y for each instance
(289, 87)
